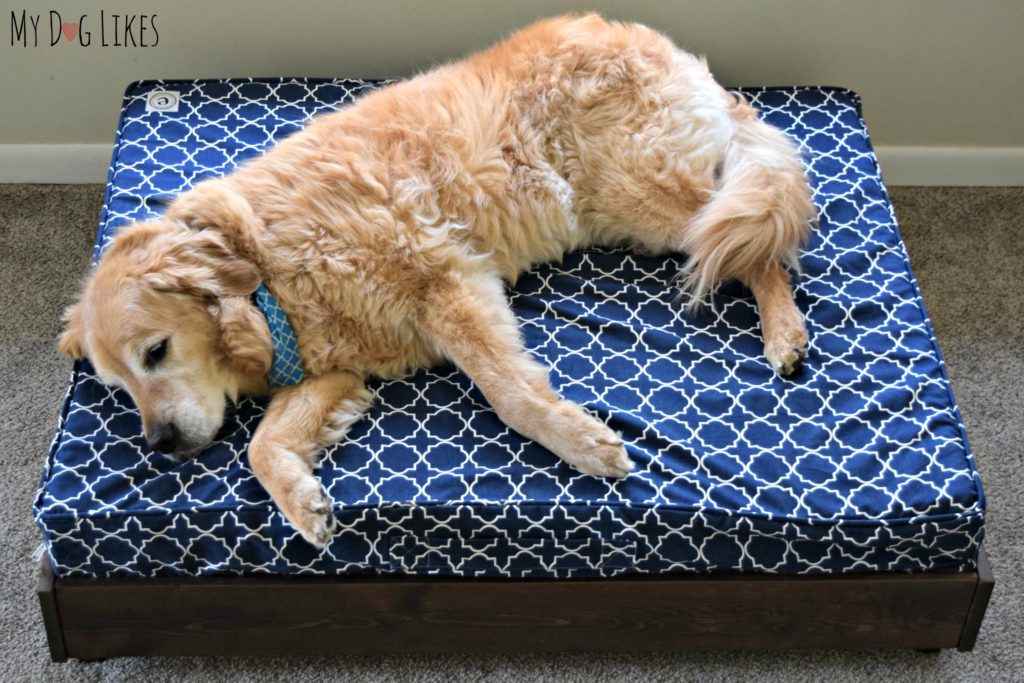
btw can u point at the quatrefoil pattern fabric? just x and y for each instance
(857, 463)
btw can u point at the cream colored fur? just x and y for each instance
(385, 230)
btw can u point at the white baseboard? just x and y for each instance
(952, 165)
(54, 163)
(900, 165)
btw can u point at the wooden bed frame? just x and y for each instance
(93, 619)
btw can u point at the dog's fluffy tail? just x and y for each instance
(758, 217)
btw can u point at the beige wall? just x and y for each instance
(944, 73)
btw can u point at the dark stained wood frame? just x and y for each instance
(92, 619)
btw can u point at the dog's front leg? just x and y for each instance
(300, 421)
(472, 323)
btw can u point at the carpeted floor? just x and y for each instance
(967, 246)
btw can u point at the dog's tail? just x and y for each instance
(758, 217)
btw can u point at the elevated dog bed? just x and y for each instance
(836, 508)
(858, 463)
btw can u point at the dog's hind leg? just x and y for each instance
(470, 321)
(743, 217)
(782, 323)
(754, 224)
(300, 421)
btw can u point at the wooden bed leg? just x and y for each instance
(979, 603)
(51, 617)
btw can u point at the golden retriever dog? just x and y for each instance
(385, 231)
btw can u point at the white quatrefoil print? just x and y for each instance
(857, 463)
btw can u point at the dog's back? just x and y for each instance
(572, 132)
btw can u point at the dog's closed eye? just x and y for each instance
(156, 353)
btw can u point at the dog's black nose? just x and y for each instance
(165, 438)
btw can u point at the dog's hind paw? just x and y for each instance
(786, 353)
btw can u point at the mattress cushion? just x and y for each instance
(859, 462)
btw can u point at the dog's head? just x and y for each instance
(166, 316)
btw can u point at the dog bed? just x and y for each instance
(857, 463)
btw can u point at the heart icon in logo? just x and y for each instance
(69, 30)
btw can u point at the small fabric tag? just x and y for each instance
(163, 101)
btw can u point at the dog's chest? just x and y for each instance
(359, 326)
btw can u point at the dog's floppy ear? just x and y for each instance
(214, 204)
(200, 262)
(244, 336)
(71, 342)
(205, 264)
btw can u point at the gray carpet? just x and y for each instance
(967, 246)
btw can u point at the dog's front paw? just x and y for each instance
(311, 512)
(587, 443)
(786, 350)
(604, 458)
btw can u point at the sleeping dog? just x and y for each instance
(384, 231)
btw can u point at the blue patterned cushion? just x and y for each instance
(858, 463)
